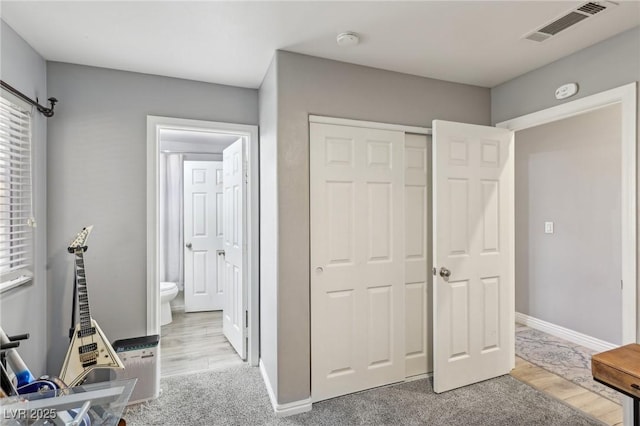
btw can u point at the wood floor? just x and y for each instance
(194, 342)
(570, 393)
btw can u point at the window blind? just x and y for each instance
(16, 217)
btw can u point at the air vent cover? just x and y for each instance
(571, 18)
(563, 23)
(592, 8)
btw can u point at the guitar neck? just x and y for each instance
(83, 296)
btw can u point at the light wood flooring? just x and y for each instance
(570, 393)
(194, 342)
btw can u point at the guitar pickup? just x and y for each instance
(87, 332)
(89, 363)
(88, 357)
(88, 348)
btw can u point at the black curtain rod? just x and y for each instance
(47, 112)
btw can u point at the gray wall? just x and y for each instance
(309, 85)
(269, 224)
(24, 309)
(97, 175)
(568, 172)
(606, 65)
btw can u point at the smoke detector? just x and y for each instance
(348, 39)
(587, 10)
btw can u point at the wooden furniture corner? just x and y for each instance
(620, 370)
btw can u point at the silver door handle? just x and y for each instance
(319, 269)
(188, 246)
(445, 273)
(220, 252)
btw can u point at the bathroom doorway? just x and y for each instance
(201, 299)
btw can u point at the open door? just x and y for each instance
(473, 225)
(234, 317)
(202, 235)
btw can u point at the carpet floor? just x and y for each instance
(237, 396)
(566, 359)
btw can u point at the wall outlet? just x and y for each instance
(548, 227)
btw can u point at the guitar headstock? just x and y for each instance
(80, 240)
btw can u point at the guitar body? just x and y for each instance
(89, 349)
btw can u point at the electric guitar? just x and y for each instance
(89, 348)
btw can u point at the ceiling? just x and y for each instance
(192, 141)
(473, 42)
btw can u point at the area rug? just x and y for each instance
(238, 397)
(566, 359)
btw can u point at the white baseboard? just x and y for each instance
(418, 377)
(288, 409)
(565, 333)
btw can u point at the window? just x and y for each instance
(16, 217)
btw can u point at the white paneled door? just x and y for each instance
(357, 259)
(202, 235)
(234, 316)
(417, 296)
(473, 253)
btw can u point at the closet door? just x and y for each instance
(473, 253)
(357, 259)
(417, 296)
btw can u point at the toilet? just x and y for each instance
(168, 291)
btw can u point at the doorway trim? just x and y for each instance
(322, 119)
(626, 97)
(154, 124)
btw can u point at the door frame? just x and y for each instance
(626, 97)
(250, 132)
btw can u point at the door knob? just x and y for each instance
(319, 269)
(188, 246)
(445, 273)
(220, 252)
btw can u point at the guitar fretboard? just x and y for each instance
(83, 297)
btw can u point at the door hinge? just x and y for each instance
(246, 319)
(621, 285)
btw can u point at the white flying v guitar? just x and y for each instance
(89, 347)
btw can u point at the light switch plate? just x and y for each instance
(548, 227)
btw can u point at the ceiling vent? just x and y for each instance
(569, 19)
